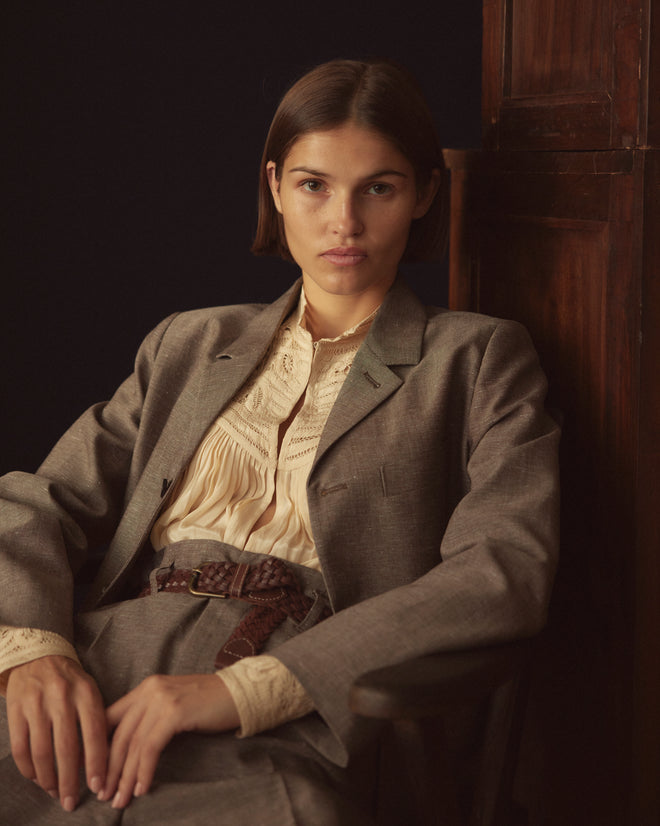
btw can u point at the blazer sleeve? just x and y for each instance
(50, 520)
(499, 551)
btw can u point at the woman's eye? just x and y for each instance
(380, 189)
(312, 186)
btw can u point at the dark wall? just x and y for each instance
(132, 138)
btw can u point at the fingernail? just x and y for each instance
(53, 793)
(138, 790)
(118, 801)
(69, 804)
(95, 785)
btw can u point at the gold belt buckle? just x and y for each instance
(192, 585)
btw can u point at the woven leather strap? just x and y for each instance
(227, 578)
(270, 586)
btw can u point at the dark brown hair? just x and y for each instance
(378, 95)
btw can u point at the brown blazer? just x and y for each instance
(433, 496)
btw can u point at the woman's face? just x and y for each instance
(347, 197)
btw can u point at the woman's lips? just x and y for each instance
(344, 256)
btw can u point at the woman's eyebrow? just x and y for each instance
(308, 171)
(380, 173)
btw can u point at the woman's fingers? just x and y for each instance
(51, 698)
(32, 746)
(47, 699)
(67, 755)
(125, 716)
(146, 745)
(94, 732)
(147, 718)
(19, 735)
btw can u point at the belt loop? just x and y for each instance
(238, 580)
(156, 574)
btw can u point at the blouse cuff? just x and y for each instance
(22, 645)
(265, 692)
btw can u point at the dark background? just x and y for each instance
(132, 134)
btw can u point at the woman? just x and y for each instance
(386, 469)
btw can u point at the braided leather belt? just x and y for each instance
(270, 586)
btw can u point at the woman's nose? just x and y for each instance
(346, 219)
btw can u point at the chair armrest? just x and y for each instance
(426, 686)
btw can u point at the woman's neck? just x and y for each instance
(328, 315)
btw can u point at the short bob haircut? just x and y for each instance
(378, 95)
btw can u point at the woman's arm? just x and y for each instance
(499, 550)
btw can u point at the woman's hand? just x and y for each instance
(47, 700)
(147, 718)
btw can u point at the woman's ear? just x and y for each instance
(426, 195)
(274, 184)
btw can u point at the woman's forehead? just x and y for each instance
(348, 145)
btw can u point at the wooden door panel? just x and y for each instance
(565, 75)
(557, 48)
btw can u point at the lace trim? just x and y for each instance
(265, 692)
(21, 645)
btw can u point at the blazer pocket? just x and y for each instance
(398, 478)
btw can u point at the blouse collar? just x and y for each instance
(360, 327)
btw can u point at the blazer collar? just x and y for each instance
(397, 333)
(395, 336)
(257, 335)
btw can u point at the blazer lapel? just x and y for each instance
(226, 371)
(395, 338)
(193, 413)
(229, 369)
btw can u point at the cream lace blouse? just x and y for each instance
(246, 486)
